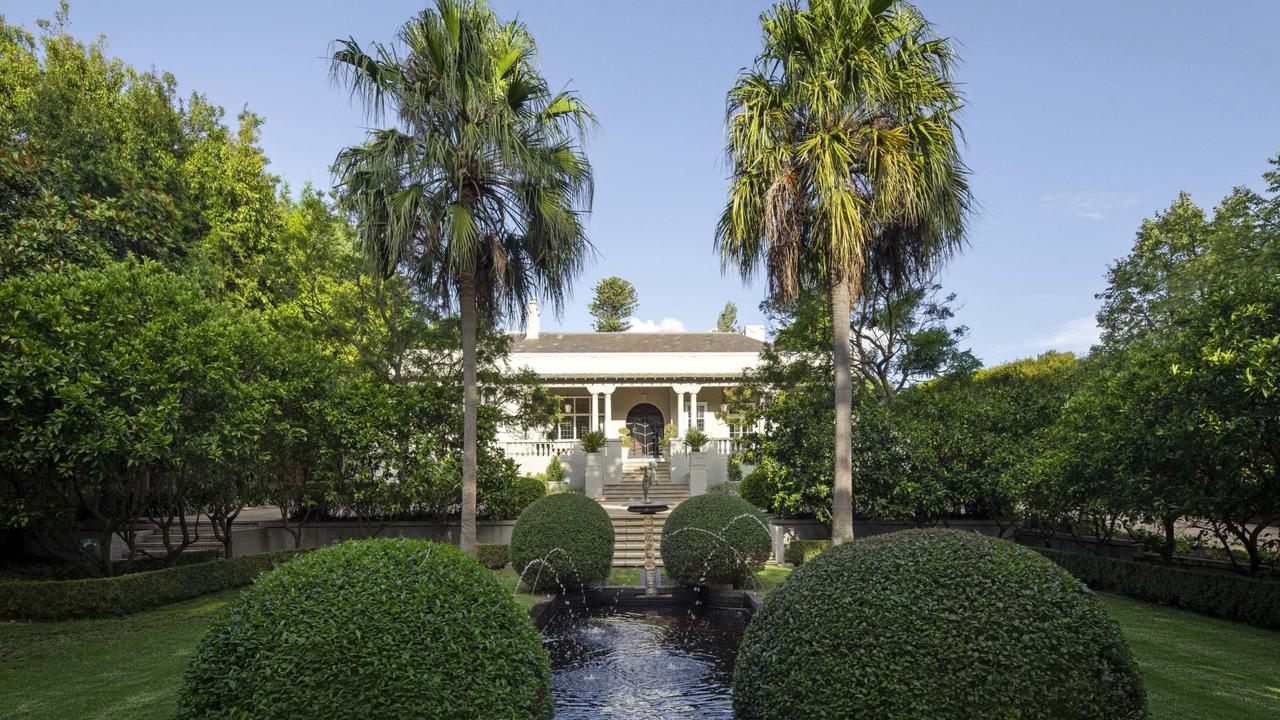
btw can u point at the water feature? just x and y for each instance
(648, 509)
(643, 662)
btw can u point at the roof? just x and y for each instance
(635, 343)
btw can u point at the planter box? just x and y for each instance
(595, 475)
(697, 473)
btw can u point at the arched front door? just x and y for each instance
(645, 423)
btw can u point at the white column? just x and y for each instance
(693, 405)
(682, 422)
(683, 414)
(596, 391)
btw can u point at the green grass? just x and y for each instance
(131, 667)
(1201, 667)
(128, 668)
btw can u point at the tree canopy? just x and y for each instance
(613, 304)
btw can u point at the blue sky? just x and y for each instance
(1082, 119)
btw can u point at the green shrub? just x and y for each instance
(696, 439)
(593, 441)
(555, 470)
(713, 540)
(494, 557)
(935, 624)
(724, 488)
(734, 469)
(564, 539)
(1246, 600)
(525, 491)
(371, 628)
(756, 489)
(799, 552)
(104, 597)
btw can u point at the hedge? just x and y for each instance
(389, 628)
(936, 624)
(105, 597)
(1247, 600)
(799, 552)
(494, 557)
(714, 540)
(563, 540)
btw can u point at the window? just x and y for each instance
(701, 421)
(575, 418)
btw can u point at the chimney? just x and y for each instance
(533, 320)
(755, 332)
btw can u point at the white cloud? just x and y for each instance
(1075, 335)
(666, 324)
(1089, 204)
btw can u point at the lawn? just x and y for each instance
(1200, 667)
(130, 667)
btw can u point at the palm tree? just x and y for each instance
(844, 152)
(478, 187)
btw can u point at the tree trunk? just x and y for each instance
(470, 401)
(842, 491)
(1170, 538)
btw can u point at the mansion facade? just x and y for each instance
(641, 381)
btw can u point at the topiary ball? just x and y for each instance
(757, 489)
(936, 624)
(561, 541)
(714, 540)
(373, 628)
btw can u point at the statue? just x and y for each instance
(649, 471)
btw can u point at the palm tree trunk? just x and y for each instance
(842, 492)
(470, 401)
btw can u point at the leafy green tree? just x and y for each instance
(476, 190)
(614, 303)
(1190, 324)
(845, 163)
(902, 335)
(907, 340)
(124, 386)
(91, 155)
(728, 320)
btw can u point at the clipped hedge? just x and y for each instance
(756, 489)
(1246, 600)
(525, 491)
(935, 624)
(799, 552)
(105, 597)
(714, 540)
(374, 629)
(563, 540)
(494, 557)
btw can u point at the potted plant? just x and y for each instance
(593, 445)
(555, 475)
(624, 438)
(695, 440)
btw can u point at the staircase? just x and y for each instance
(628, 528)
(151, 542)
(631, 488)
(628, 539)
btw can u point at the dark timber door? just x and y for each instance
(645, 423)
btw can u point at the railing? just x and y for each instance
(723, 446)
(537, 448)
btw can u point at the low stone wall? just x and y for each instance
(272, 536)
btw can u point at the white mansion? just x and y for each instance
(643, 381)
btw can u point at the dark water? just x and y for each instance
(642, 664)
